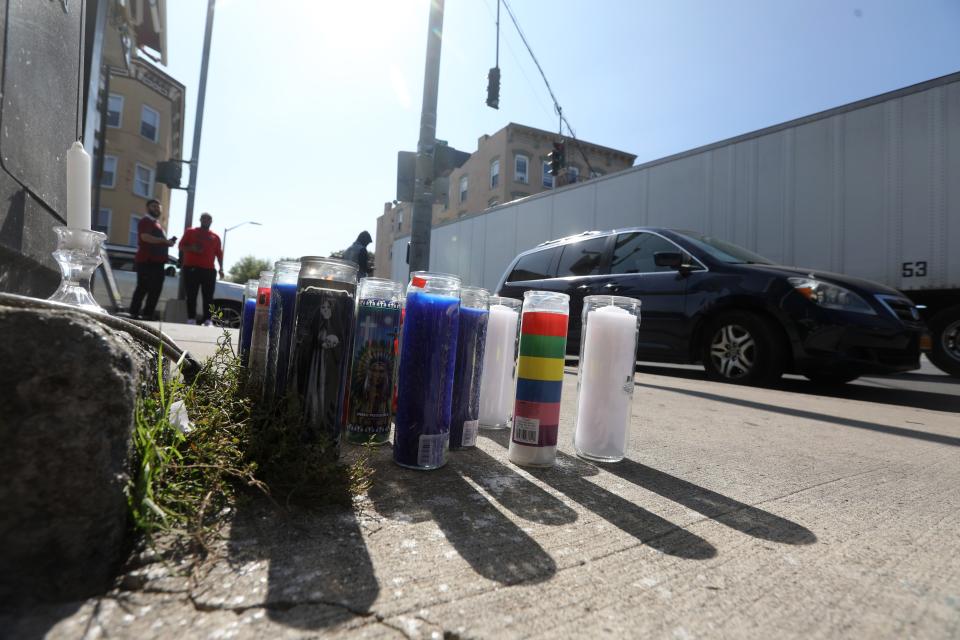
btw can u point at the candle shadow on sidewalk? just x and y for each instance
(727, 511)
(650, 529)
(319, 571)
(488, 541)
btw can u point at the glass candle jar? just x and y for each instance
(471, 339)
(260, 335)
(320, 346)
(428, 350)
(371, 379)
(608, 348)
(536, 413)
(246, 319)
(499, 361)
(283, 299)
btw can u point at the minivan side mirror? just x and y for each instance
(671, 259)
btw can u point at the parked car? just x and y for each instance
(744, 318)
(227, 296)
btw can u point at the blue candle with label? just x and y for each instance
(428, 350)
(472, 335)
(246, 319)
(283, 299)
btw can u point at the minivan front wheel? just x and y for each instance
(744, 348)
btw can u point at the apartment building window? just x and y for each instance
(520, 169)
(143, 181)
(149, 123)
(399, 219)
(494, 174)
(109, 177)
(573, 174)
(102, 222)
(134, 223)
(114, 110)
(547, 178)
(463, 189)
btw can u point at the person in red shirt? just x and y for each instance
(150, 261)
(200, 247)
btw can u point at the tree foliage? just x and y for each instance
(248, 268)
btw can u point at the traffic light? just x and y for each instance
(562, 151)
(169, 173)
(555, 158)
(493, 88)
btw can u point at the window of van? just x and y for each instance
(633, 253)
(534, 266)
(581, 258)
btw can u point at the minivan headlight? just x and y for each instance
(830, 296)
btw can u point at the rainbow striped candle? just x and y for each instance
(543, 343)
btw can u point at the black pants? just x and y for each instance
(149, 283)
(205, 280)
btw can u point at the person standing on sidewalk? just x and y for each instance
(358, 254)
(200, 247)
(150, 261)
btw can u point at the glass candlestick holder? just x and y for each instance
(78, 254)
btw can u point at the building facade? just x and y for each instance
(144, 125)
(508, 165)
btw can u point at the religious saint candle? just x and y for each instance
(471, 339)
(608, 348)
(372, 370)
(260, 335)
(499, 361)
(283, 299)
(428, 350)
(536, 413)
(320, 346)
(246, 319)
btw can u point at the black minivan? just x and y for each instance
(746, 319)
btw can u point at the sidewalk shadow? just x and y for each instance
(320, 573)
(811, 415)
(736, 515)
(650, 529)
(494, 546)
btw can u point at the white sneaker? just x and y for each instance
(191, 321)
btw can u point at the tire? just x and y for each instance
(945, 327)
(830, 379)
(743, 348)
(231, 314)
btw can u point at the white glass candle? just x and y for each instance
(496, 387)
(605, 377)
(78, 187)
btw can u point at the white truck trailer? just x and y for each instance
(870, 189)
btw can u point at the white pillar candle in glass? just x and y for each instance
(605, 377)
(496, 386)
(78, 187)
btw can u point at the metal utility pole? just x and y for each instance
(198, 119)
(423, 184)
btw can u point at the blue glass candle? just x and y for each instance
(428, 350)
(283, 300)
(246, 319)
(471, 337)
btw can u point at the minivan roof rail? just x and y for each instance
(576, 235)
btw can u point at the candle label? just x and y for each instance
(543, 339)
(431, 449)
(372, 373)
(470, 428)
(526, 430)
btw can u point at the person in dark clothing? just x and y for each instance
(200, 247)
(357, 253)
(150, 261)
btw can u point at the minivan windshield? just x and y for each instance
(723, 251)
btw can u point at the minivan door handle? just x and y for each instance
(610, 286)
(583, 287)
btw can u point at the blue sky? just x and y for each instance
(308, 101)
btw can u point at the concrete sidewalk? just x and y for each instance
(740, 512)
(198, 340)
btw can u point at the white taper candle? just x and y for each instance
(78, 187)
